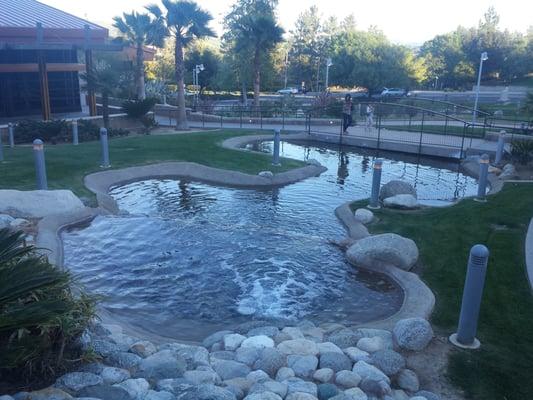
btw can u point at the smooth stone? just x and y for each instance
(356, 394)
(386, 336)
(258, 376)
(263, 396)
(324, 375)
(50, 393)
(206, 392)
(153, 395)
(344, 338)
(293, 333)
(228, 369)
(39, 203)
(122, 359)
(194, 356)
(371, 345)
(174, 385)
(221, 355)
(401, 201)
(302, 347)
(315, 334)
(214, 338)
(413, 334)
(374, 387)
(347, 379)
(258, 342)
(408, 380)
(388, 361)
(395, 187)
(328, 347)
(365, 371)
(364, 216)
(303, 366)
(143, 348)
(399, 395)
(199, 377)
(5, 222)
(270, 386)
(270, 360)
(94, 367)
(112, 375)
(233, 341)
(335, 361)
(243, 384)
(383, 250)
(105, 392)
(284, 373)
(326, 391)
(270, 331)
(137, 388)
(75, 381)
(247, 326)
(418, 398)
(298, 385)
(355, 354)
(266, 174)
(6, 397)
(161, 365)
(247, 355)
(332, 327)
(428, 395)
(300, 396)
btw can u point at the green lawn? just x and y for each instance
(503, 368)
(67, 164)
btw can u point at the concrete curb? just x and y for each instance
(418, 300)
(529, 254)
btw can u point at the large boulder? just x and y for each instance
(364, 215)
(412, 334)
(395, 187)
(379, 251)
(39, 203)
(401, 201)
(388, 361)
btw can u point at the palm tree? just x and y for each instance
(140, 30)
(185, 21)
(102, 78)
(257, 34)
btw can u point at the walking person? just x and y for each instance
(369, 116)
(347, 110)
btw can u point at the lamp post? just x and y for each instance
(484, 57)
(436, 82)
(329, 63)
(195, 72)
(286, 68)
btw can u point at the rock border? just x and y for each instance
(418, 300)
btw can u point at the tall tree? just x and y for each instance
(184, 21)
(140, 30)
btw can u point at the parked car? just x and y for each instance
(393, 92)
(288, 90)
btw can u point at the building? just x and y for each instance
(40, 52)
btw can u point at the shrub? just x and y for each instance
(522, 151)
(149, 123)
(40, 317)
(88, 130)
(139, 108)
(55, 131)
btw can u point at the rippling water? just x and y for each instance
(191, 258)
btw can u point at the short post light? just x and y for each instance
(11, 133)
(483, 174)
(75, 138)
(500, 148)
(472, 294)
(40, 165)
(376, 184)
(105, 148)
(277, 140)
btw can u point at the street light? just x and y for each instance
(329, 63)
(484, 57)
(196, 70)
(436, 82)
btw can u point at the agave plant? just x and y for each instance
(39, 314)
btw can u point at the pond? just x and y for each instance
(190, 258)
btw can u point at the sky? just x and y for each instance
(408, 22)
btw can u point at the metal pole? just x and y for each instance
(105, 148)
(376, 184)
(277, 139)
(483, 55)
(327, 76)
(1, 148)
(75, 139)
(11, 132)
(472, 294)
(500, 149)
(483, 173)
(40, 166)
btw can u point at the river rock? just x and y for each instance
(401, 201)
(508, 172)
(324, 375)
(370, 345)
(221, 355)
(315, 334)
(112, 375)
(209, 341)
(270, 386)
(328, 347)
(364, 215)
(347, 379)
(292, 332)
(199, 377)
(259, 342)
(355, 354)
(174, 385)
(326, 391)
(378, 388)
(153, 395)
(266, 174)
(161, 365)
(105, 392)
(302, 347)
(388, 361)
(296, 385)
(366, 371)
(395, 187)
(50, 393)
(143, 348)
(75, 381)
(284, 373)
(243, 384)
(247, 355)
(270, 331)
(5, 221)
(263, 396)
(39, 203)
(379, 251)
(427, 395)
(303, 366)
(122, 359)
(408, 380)
(233, 341)
(399, 395)
(136, 388)
(206, 392)
(258, 376)
(344, 338)
(228, 369)
(300, 396)
(270, 360)
(412, 334)
(336, 361)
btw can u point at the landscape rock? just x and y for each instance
(247, 355)
(427, 395)
(293, 333)
(395, 187)
(233, 341)
(278, 388)
(508, 172)
(228, 369)
(258, 376)
(161, 365)
(122, 359)
(112, 375)
(173, 385)
(50, 393)
(370, 345)
(383, 250)
(367, 371)
(143, 348)
(408, 380)
(296, 385)
(374, 387)
(258, 342)
(356, 394)
(5, 221)
(302, 347)
(75, 381)
(209, 341)
(270, 331)
(326, 391)
(336, 361)
(364, 215)
(347, 379)
(300, 396)
(206, 392)
(303, 366)
(401, 201)
(266, 174)
(38, 203)
(412, 334)
(355, 354)
(328, 347)
(270, 361)
(136, 388)
(153, 395)
(344, 338)
(221, 355)
(324, 375)
(284, 373)
(388, 361)
(199, 377)
(263, 396)
(105, 392)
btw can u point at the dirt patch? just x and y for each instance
(431, 367)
